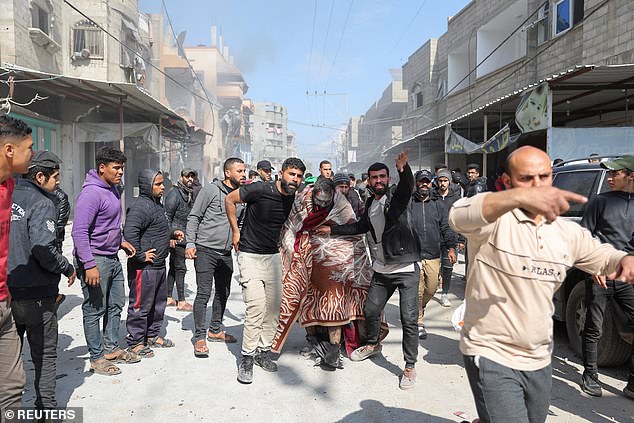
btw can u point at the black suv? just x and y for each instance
(588, 179)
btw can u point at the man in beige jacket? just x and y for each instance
(520, 252)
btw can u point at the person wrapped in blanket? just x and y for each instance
(326, 279)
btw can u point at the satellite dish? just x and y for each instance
(85, 53)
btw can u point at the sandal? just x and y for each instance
(142, 351)
(184, 306)
(104, 367)
(221, 337)
(158, 342)
(125, 357)
(171, 302)
(200, 349)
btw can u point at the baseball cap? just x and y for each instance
(188, 171)
(424, 174)
(46, 159)
(264, 165)
(625, 162)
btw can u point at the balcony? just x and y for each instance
(40, 38)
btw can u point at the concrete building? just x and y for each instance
(470, 81)
(229, 123)
(379, 128)
(79, 88)
(269, 134)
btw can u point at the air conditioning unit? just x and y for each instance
(84, 54)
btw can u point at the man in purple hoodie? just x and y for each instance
(97, 238)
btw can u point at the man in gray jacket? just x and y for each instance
(209, 244)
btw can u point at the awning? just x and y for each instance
(137, 101)
(577, 93)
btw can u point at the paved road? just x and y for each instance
(175, 386)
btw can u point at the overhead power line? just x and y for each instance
(332, 65)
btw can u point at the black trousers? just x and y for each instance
(381, 289)
(596, 301)
(212, 270)
(38, 319)
(176, 273)
(446, 270)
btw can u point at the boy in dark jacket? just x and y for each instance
(147, 229)
(35, 266)
(395, 251)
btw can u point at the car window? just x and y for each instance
(580, 182)
(604, 183)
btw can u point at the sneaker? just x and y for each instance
(628, 391)
(365, 351)
(263, 359)
(444, 300)
(422, 333)
(245, 369)
(408, 379)
(590, 384)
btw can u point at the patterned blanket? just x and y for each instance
(326, 279)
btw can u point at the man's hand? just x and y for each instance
(92, 276)
(190, 253)
(179, 235)
(401, 160)
(128, 248)
(172, 243)
(451, 253)
(600, 280)
(236, 240)
(150, 255)
(71, 278)
(625, 271)
(549, 202)
(322, 230)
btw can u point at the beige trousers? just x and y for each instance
(261, 282)
(429, 270)
(12, 376)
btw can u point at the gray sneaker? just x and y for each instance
(365, 351)
(444, 300)
(408, 378)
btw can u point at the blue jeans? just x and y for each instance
(506, 395)
(104, 300)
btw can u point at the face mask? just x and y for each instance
(423, 192)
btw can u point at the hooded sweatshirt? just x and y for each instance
(97, 224)
(146, 225)
(610, 217)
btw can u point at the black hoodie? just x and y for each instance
(610, 217)
(146, 225)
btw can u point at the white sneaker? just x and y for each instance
(444, 300)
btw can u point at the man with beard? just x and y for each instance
(268, 206)
(430, 223)
(264, 171)
(209, 244)
(342, 184)
(446, 196)
(520, 253)
(395, 251)
(178, 204)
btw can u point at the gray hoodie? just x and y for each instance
(207, 224)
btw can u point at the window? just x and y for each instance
(88, 38)
(580, 182)
(543, 26)
(419, 99)
(563, 16)
(39, 19)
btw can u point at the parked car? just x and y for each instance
(588, 179)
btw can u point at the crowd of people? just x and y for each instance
(326, 252)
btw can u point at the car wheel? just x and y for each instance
(612, 349)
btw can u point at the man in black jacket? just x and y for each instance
(147, 229)
(395, 251)
(432, 228)
(178, 204)
(610, 217)
(35, 266)
(475, 184)
(446, 196)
